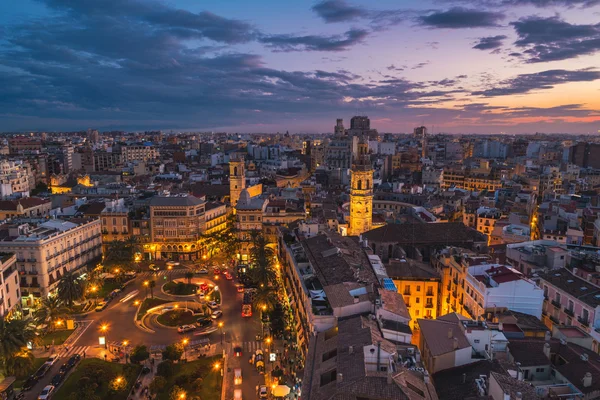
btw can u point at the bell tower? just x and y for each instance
(237, 179)
(361, 192)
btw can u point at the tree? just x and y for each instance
(262, 257)
(20, 365)
(189, 275)
(139, 354)
(165, 369)
(265, 298)
(152, 285)
(158, 384)
(172, 352)
(121, 253)
(14, 335)
(176, 393)
(51, 309)
(71, 288)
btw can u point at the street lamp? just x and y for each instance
(222, 333)
(268, 341)
(104, 330)
(182, 396)
(185, 341)
(146, 284)
(94, 289)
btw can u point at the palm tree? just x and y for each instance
(189, 275)
(51, 309)
(14, 335)
(265, 298)
(121, 253)
(71, 288)
(262, 258)
(152, 284)
(21, 364)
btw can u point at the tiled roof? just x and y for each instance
(175, 201)
(573, 285)
(410, 269)
(451, 232)
(449, 383)
(28, 202)
(436, 335)
(393, 302)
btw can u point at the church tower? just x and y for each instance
(361, 192)
(237, 179)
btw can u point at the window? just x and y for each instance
(418, 300)
(417, 313)
(330, 354)
(418, 288)
(539, 370)
(328, 377)
(476, 340)
(570, 305)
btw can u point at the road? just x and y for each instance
(119, 317)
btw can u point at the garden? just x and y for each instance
(195, 379)
(148, 304)
(180, 288)
(177, 318)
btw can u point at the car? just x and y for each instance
(240, 288)
(263, 392)
(101, 306)
(46, 393)
(237, 351)
(213, 305)
(29, 383)
(203, 286)
(204, 323)
(57, 379)
(216, 271)
(186, 328)
(203, 271)
(41, 372)
(216, 314)
(64, 368)
(172, 263)
(115, 293)
(237, 376)
(153, 267)
(228, 276)
(52, 360)
(73, 360)
(237, 394)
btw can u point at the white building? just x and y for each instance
(490, 286)
(47, 249)
(10, 293)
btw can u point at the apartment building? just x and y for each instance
(115, 222)
(16, 177)
(419, 284)
(32, 207)
(537, 255)
(47, 249)
(486, 219)
(215, 214)
(10, 292)
(131, 153)
(249, 212)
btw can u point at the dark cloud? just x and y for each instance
(420, 65)
(288, 43)
(458, 17)
(553, 39)
(337, 11)
(542, 80)
(490, 42)
(392, 67)
(534, 3)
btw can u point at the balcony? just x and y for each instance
(583, 321)
(429, 305)
(569, 312)
(556, 303)
(554, 319)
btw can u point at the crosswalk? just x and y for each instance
(67, 352)
(154, 274)
(251, 346)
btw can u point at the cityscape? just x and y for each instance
(366, 201)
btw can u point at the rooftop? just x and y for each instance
(410, 269)
(175, 201)
(581, 289)
(442, 337)
(451, 232)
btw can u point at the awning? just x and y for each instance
(281, 391)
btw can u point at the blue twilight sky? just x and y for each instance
(459, 66)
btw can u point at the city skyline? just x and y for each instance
(480, 66)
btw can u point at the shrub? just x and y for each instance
(165, 369)
(139, 354)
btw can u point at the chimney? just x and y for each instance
(389, 376)
(500, 326)
(575, 270)
(547, 350)
(464, 378)
(587, 379)
(340, 377)
(584, 357)
(455, 343)
(350, 349)
(450, 334)
(519, 372)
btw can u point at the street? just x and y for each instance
(119, 316)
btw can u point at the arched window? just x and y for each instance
(359, 185)
(234, 171)
(368, 184)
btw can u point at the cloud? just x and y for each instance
(288, 43)
(490, 42)
(337, 11)
(458, 17)
(526, 3)
(526, 83)
(553, 39)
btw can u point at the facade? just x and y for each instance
(131, 153)
(47, 249)
(106, 161)
(361, 194)
(419, 284)
(115, 224)
(249, 211)
(15, 177)
(216, 217)
(10, 292)
(237, 180)
(32, 207)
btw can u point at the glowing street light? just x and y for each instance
(146, 284)
(222, 333)
(217, 365)
(182, 396)
(104, 329)
(184, 342)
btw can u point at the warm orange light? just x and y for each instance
(220, 324)
(146, 283)
(217, 365)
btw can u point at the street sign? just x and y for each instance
(272, 357)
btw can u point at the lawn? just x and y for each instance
(148, 304)
(107, 287)
(177, 318)
(58, 337)
(180, 288)
(102, 373)
(37, 363)
(186, 373)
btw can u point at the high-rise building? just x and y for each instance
(361, 193)
(237, 179)
(360, 122)
(339, 127)
(420, 132)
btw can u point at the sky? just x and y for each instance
(456, 66)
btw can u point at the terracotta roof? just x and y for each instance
(405, 269)
(436, 335)
(449, 383)
(451, 232)
(28, 202)
(393, 302)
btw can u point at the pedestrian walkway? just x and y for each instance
(154, 274)
(251, 347)
(68, 351)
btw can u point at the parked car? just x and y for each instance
(263, 392)
(213, 305)
(29, 383)
(57, 379)
(46, 393)
(153, 267)
(172, 263)
(52, 360)
(240, 288)
(237, 351)
(237, 394)
(204, 323)
(73, 360)
(216, 271)
(186, 328)
(228, 276)
(41, 372)
(216, 314)
(101, 306)
(203, 271)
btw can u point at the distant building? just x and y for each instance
(10, 291)
(361, 194)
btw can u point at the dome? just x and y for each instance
(244, 197)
